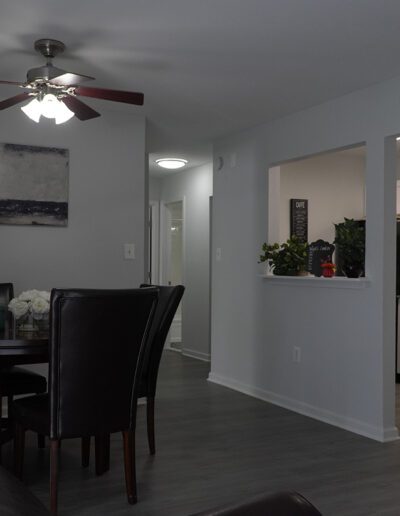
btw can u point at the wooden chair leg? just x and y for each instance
(9, 419)
(19, 449)
(1, 421)
(9, 409)
(150, 425)
(107, 438)
(41, 441)
(54, 450)
(102, 452)
(130, 465)
(85, 451)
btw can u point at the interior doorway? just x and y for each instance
(173, 263)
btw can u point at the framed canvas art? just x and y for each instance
(33, 185)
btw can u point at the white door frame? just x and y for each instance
(163, 266)
(164, 236)
(155, 241)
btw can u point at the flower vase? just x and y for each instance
(43, 325)
(25, 325)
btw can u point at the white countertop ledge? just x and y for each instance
(313, 281)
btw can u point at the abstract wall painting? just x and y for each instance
(33, 185)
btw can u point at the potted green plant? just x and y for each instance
(287, 259)
(350, 246)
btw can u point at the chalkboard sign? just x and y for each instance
(299, 219)
(318, 253)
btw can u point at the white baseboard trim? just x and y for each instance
(347, 423)
(196, 354)
(171, 348)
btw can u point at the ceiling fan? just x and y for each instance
(54, 92)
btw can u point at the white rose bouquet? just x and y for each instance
(35, 302)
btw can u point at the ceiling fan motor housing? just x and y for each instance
(49, 48)
(43, 73)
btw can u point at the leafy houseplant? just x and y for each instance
(350, 244)
(287, 259)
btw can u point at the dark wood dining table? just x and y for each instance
(23, 350)
(16, 350)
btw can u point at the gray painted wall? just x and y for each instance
(154, 188)
(194, 187)
(106, 206)
(346, 335)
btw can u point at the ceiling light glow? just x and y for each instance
(63, 114)
(49, 107)
(33, 110)
(171, 163)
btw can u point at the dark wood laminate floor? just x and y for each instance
(215, 446)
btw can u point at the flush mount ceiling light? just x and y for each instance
(171, 163)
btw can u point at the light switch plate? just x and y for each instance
(129, 251)
(218, 254)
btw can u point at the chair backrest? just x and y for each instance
(6, 294)
(168, 302)
(96, 356)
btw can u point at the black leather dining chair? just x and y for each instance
(168, 302)
(15, 380)
(96, 357)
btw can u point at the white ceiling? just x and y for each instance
(209, 67)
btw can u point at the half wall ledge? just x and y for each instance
(313, 281)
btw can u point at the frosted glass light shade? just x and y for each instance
(49, 107)
(33, 110)
(63, 113)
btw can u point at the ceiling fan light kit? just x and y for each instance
(53, 92)
(49, 107)
(171, 163)
(33, 110)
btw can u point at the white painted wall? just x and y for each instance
(347, 336)
(194, 187)
(334, 185)
(106, 206)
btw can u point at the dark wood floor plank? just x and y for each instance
(215, 446)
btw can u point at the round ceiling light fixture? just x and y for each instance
(171, 163)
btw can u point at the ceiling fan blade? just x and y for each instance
(14, 100)
(81, 110)
(70, 79)
(13, 82)
(129, 97)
